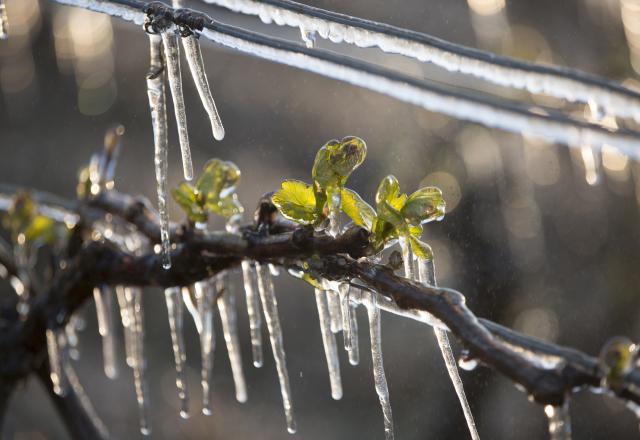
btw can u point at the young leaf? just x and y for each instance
(184, 195)
(357, 209)
(336, 160)
(388, 190)
(424, 205)
(421, 249)
(296, 201)
(227, 207)
(219, 178)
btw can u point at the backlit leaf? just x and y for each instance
(296, 201)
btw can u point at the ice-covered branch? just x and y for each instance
(546, 123)
(548, 372)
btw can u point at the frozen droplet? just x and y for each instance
(158, 107)
(196, 65)
(253, 310)
(270, 310)
(559, 421)
(172, 57)
(329, 343)
(228, 316)
(175, 307)
(467, 364)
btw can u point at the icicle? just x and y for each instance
(103, 298)
(127, 324)
(329, 343)
(4, 21)
(270, 309)
(194, 310)
(175, 308)
(559, 421)
(349, 324)
(427, 275)
(158, 107)
(196, 65)
(309, 37)
(133, 297)
(70, 331)
(382, 390)
(407, 258)
(227, 309)
(335, 314)
(253, 310)
(172, 56)
(204, 297)
(55, 341)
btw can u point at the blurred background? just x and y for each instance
(539, 237)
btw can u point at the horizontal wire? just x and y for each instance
(514, 117)
(561, 82)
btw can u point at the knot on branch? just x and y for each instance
(160, 17)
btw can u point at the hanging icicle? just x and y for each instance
(175, 310)
(55, 349)
(196, 65)
(205, 298)
(172, 57)
(335, 313)
(103, 297)
(158, 107)
(4, 21)
(349, 324)
(71, 333)
(380, 380)
(559, 421)
(270, 309)
(127, 324)
(227, 309)
(253, 310)
(427, 275)
(330, 346)
(133, 297)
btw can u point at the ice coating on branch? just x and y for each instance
(249, 277)
(133, 298)
(172, 58)
(373, 312)
(458, 60)
(175, 310)
(158, 107)
(440, 101)
(330, 346)
(196, 65)
(127, 13)
(55, 348)
(559, 421)
(204, 293)
(270, 310)
(427, 276)
(103, 297)
(227, 308)
(4, 21)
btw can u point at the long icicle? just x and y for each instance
(127, 324)
(205, 299)
(270, 309)
(54, 350)
(133, 297)
(349, 324)
(103, 297)
(559, 421)
(253, 310)
(330, 346)
(172, 57)
(227, 309)
(373, 312)
(427, 275)
(196, 65)
(158, 107)
(335, 313)
(175, 311)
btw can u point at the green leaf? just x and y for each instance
(424, 205)
(336, 160)
(357, 209)
(311, 280)
(185, 195)
(421, 249)
(218, 179)
(388, 190)
(296, 201)
(40, 229)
